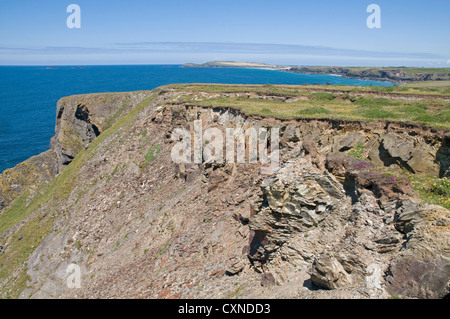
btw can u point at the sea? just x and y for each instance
(28, 94)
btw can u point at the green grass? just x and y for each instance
(14, 214)
(116, 169)
(407, 88)
(376, 113)
(433, 190)
(162, 250)
(407, 70)
(322, 96)
(358, 151)
(314, 111)
(266, 112)
(413, 110)
(431, 87)
(340, 102)
(151, 155)
(426, 70)
(112, 119)
(21, 246)
(370, 102)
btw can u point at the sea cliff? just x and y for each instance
(344, 216)
(392, 74)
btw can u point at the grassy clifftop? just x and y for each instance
(402, 104)
(395, 74)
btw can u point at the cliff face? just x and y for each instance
(325, 224)
(393, 74)
(26, 175)
(378, 74)
(80, 119)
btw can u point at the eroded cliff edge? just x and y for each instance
(80, 119)
(326, 224)
(393, 74)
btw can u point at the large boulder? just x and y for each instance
(422, 269)
(327, 272)
(348, 141)
(298, 198)
(409, 153)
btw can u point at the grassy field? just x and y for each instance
(339, 102)
(439, 85)
(422, 88)
(432, 189)
(426, 70)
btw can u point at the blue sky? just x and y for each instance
(320, 32)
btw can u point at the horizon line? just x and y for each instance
(181, 64)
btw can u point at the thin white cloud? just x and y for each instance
(265, 48)
(182, 52)
(207, 47)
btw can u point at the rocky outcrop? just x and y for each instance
(368, 237)
(298, 198)
(422, 269)
(408, 153)
(443, 156)
(328, 272)
(80, 119)
(377, 74)
(324, 224)
(27, 176)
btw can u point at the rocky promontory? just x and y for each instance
(393, 74)
(340, 217)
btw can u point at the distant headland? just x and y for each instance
(234, 64)
(393, 74)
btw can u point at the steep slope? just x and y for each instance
(79, 120)
(324, 224)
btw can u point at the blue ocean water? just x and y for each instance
(28, 95)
